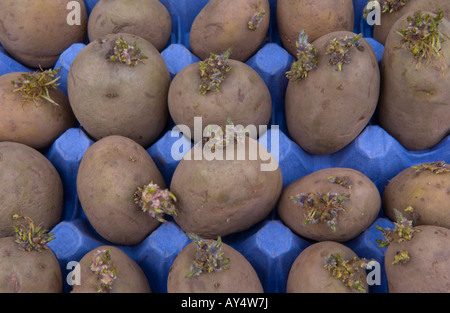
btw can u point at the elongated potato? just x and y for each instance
(110, 172)
(239, 25)
(31, 186)
(329, 108)
(414, 106)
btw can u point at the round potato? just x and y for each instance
(238, 276)
(334, 204)
(110, 172)
(125, 274)
(242, 97)
(148, 19)
(239, 25)
(219, 195)
(309, 272)
(132, 102)
(34, 122)
(329, 108)
(388, 19)
(426, 271)
(317, 18)
(31, 187)
(35, 33)
(410, 84)
(424, 188)
(28, 271)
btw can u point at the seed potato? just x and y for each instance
(109, 174)
(36, 32)
(31, 186)
(128, 276)
(317, 18)
(36, 123)
(221, 25)
(132, 101)
(148, 19)
(239, 277)
(242, 97)
(423, 188)
(310, 206)
(329, 108)
(414, 106)
(309, 275)
(222, 196)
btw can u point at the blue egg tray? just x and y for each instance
(269, 246)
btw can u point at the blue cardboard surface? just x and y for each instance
(269, 246)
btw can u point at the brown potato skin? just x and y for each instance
(130, 277)
(427, 192)
(224, 24)
(414, 106)
(380, 32)
(243, 96)
(31, 187)
(34, 123)
(240, 277)
(132, 102)
(427, 269)
(327, 110)
(220, 197)
(109, 174)
(360, 211)
(308, 275)
(36, 32)
(28, 272)
(148, 19)
(317, 18)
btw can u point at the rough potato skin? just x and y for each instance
(414, 106)
(243, 96)
(30, 186)
(130, 278)
(224, 24)
(240, 277)
(132, 102)
(108, 176)
(148, 19)
(328, 109)
(427, 269)
(316, 18)
(34, 123)
(380, 32)
(360, 211)
(220, 197)
(28, 272)
(428, 193)
(36, 32)
(308, 275)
